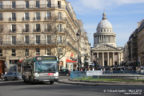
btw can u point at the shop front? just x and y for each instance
(2, 67)
(71, 65)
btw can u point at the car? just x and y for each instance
(142, 70)
(12, 76)
(64, 72)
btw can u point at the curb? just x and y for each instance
(113, 82)
(77, 83)
(88, 83)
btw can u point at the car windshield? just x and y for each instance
(11, 73)
(45, 66)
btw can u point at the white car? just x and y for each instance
(142, 70)
(12, 76)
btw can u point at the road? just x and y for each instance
(18, 88)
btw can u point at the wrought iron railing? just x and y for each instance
(31, 42)
(32, 6)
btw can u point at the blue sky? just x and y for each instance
(123, 15)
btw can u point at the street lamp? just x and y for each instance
(78, 36)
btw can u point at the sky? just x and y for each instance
(124, 16)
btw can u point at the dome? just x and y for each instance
(104, 24)
(104, 34)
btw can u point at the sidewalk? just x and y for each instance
(89, 83)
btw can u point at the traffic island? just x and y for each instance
(109, 81)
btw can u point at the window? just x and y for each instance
(27, 39)
(60, 51)
(1, 5)
(13, 28)
(1, 52)
(37, 4)
(37, 51)
(13, 39)
(13, 52)
(26, 16)
(49, 39)
(48, 51)
(27, 4)
(48, 28)
(13, 4)
(14, 16)
(38, 28)
(59, 15)
(48, 16)
(1, 28)
(37, 15)
(60, 28)
(37, 39)
(26, 27)
(49, 3)
(1, 41)
(59, 4)
(26, 52)
(59, 39)
(1, 16)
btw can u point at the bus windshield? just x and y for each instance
(45, 66)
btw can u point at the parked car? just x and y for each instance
(64, 72)
(142, 70)
(12, 76)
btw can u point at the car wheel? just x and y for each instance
(5, 79)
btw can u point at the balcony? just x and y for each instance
(48, 30)
(25, 30)
(48, 18)
(25, 19)
(1, 30)
(1, 18)
(37, 30)
(12, 30)
(42, 6)
(37, 18)
(30, 43)
(12, 19)
(61, 30)
(61, 19)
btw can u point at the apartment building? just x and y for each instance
(38, 27)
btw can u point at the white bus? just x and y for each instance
(40, 68)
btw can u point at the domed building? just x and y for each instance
(105, 51)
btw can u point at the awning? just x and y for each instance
(70, 61)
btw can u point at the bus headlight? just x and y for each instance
(36, 74)
(56, 74)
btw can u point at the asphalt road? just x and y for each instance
(18, 88)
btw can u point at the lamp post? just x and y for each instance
(78, 59)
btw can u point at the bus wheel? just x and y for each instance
(51, 82)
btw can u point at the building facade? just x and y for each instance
(38, 27)
(140, 43)
(84, 47)
(105, 52)
(134, 50)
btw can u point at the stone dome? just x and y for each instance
(105, 34)
(104, 25)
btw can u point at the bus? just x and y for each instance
(40, 68)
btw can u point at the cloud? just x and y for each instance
(101, 4)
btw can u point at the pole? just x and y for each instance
(78, 35)
(78, 57)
